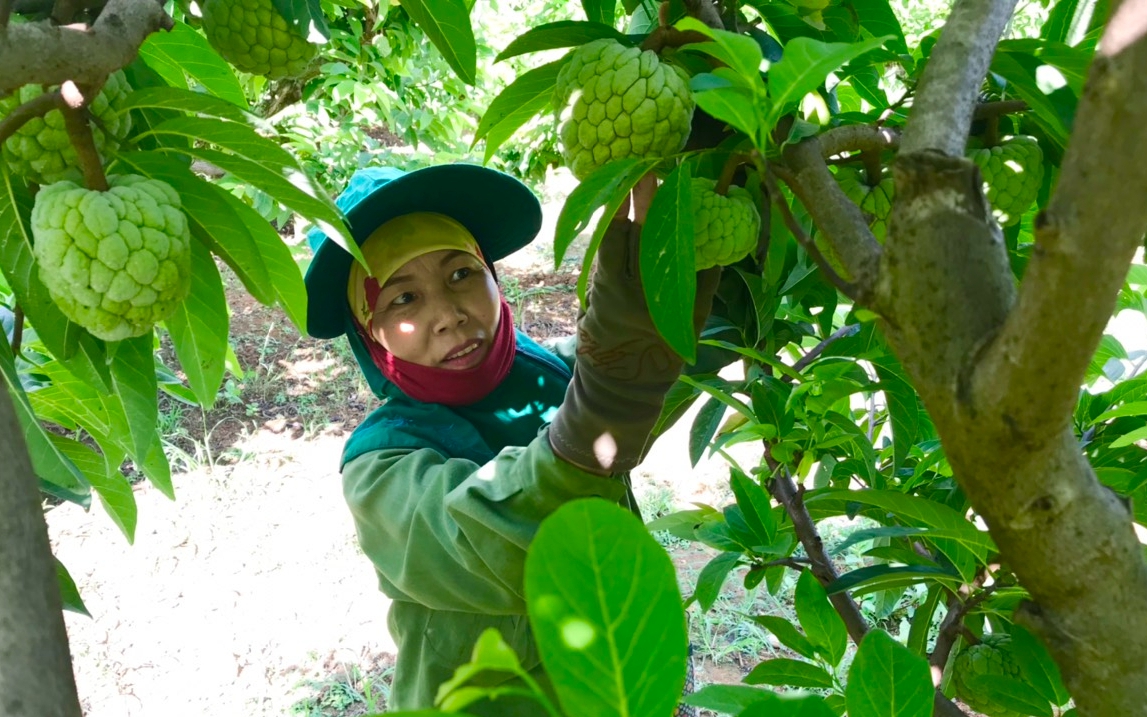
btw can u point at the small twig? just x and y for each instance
(992, 131)
(797, 564)
(996, 109)
(845, 287)
(766, 233)
(5, 12)
(892, 108)
(873, 169)
(816, 351)
(17, 329)
(80, 133)
(36, 107)
(734, 161)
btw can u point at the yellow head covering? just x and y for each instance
(396, 242)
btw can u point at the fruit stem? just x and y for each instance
(74, 109)
(734, 161)
(873, 170)
(992, 131)
(36, 107)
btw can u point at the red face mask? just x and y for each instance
(445, 386)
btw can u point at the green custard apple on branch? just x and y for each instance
(115, 262)
(255, 37)
(1013, 173)
(41, 151)
(726, 227)
(625, 103)
(992, 657)
(876, 201)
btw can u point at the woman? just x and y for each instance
(483, 432)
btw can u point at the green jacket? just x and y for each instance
(445, 503)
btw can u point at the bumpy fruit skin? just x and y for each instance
(991, 657)
(253, 36)
(726, 228)
(626, 103)
(41, 152)
(874, 201)
(115, 262)
(1013, 172)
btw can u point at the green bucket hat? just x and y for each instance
(501, 212)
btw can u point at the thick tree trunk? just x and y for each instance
(35, 666)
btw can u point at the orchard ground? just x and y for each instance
(248, 595)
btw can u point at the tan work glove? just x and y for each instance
(624, 368)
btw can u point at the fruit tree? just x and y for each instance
(926, 226)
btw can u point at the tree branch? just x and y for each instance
(997, 109)
(64, 11)
(804, 239)
(81, 54)
(36, 107)
(816, 351)
(836, 216)
(941, 114)
(5, 12)
(857, 138)
(35, 665)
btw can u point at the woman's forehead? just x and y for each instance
(429, 263)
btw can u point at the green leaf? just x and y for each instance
(102, 471)
(887, 680)
(704, 427)
(133, 376)
(305, 17)
(735, 106)
(264, 164)
(183, 100)
(789, 706)
(68, 590)
(887, 531)
(755, 505)
(447, 24)
(1011, 694)
(212, 219)
(712, 578)
(668, 262)
(877, 17)
(199, 328)
(556, 35)
(600, 11)
(1037, 666)
(285, 277)
(490, 653)
(731, 699)
(822, 624)
(805, 66)
(903, 410)
(183, 52)
(722, 396)
(606, 611)
(70, 343)
(740, 52)
(788, 634)
(1020, 72)
(48, 461)
(885, 577)
(524, 98)
(792, 673)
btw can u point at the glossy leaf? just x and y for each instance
(102, 471)
(667, 258)
(740, 52)
(524, 98)
(69, 593)
(198, 103)
(600, 11)
(199, 328)
(884, 577)
(712, 578)
(556, 35)
(820, 620)
(787, 634)
(305, 17)
(447, 24)
(791, 673)
(727, 699)
(804, 67)
(606, 611)
(183, 52)
(1039, 669)
(133, 375)
(887, 680)
(755, 506)
(704, 427)
(1011, 694)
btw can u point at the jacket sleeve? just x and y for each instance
(451, 534)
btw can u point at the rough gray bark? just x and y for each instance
(35, 665)
(999, 371)
(81, 54)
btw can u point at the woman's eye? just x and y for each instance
(403, 298)
(462, 273)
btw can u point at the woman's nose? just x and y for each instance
(449, 315)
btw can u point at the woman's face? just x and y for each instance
(440, 309)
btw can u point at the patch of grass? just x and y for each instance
(350, 691)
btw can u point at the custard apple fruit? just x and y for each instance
(626, 103)
(993, 656)
(255, 37)
(726, 228)
(876, 201)
(1013, 173)
(115, 262)
(41, 151)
